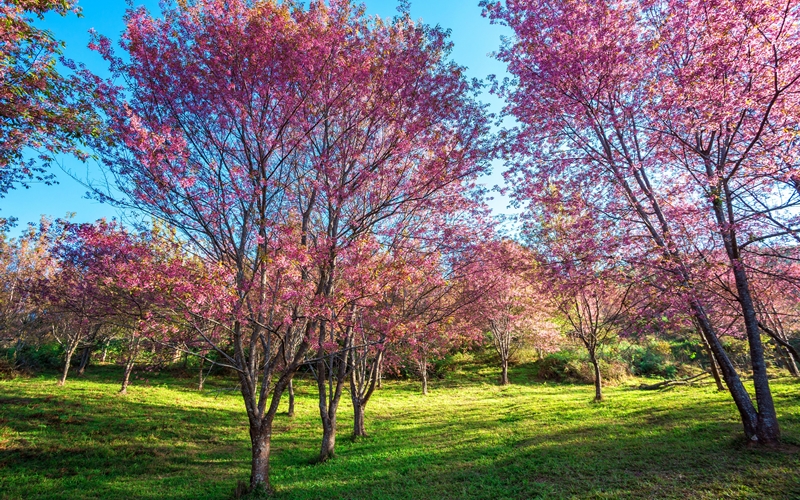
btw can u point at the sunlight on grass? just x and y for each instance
(469, 439)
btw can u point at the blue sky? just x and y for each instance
(474, 38)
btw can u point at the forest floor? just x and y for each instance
(468, 439)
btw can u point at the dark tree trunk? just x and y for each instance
(358, 421)
(17, 349)
(330, 391)
(332, 373)
(715, 371)
(261, 416)
(85, 357)
(767, 430)
(740, 396)
(791, 363)
(598, 381)
(291, 398)
(780, 339)
(363, 380)
(713, 363)
(504, 373)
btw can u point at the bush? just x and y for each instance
(570, 366)
(653, 358)
(8, 371)
(36, 357)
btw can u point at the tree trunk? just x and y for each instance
(768, 431)
(261, 417)
(201, 380)
(332, 372)
(68, 359)
(363, 379)
(105, 351)
(17, 349)
(358, 420)
(787, 359)
(598, 382)
(740, 396)
(504, 373)
(715, 371)
(792, 362)
(713, 362)
(126, 377)
(425, 382)
(329, 386)
(260, 443)
(85, 357)
(328, 448)
(291, 398)
(780, 339)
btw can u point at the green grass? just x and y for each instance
(468, 439)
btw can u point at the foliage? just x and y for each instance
(571, 366)
(36, 357)
(671, 128)
(40, 110)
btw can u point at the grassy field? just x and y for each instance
(468, 439)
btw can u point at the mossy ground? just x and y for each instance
(468, 439)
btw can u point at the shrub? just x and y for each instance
(571, 366)
(36, 357)
(652, 358)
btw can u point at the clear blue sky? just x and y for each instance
(472, 35)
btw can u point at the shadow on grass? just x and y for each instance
(515, 442)
(698, 460)
(101, 446)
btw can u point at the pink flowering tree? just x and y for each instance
(511, 307)
(283, 142)
(674, 119)
(42, 113)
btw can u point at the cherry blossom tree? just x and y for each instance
(675, 118)
(513, 308)
(280, 140)
(24, 260)
(41, 111)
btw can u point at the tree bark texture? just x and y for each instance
(712, 362)
(767, 429)
(291, 398)
(260, 443)
(86, 355)
(740, 396)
